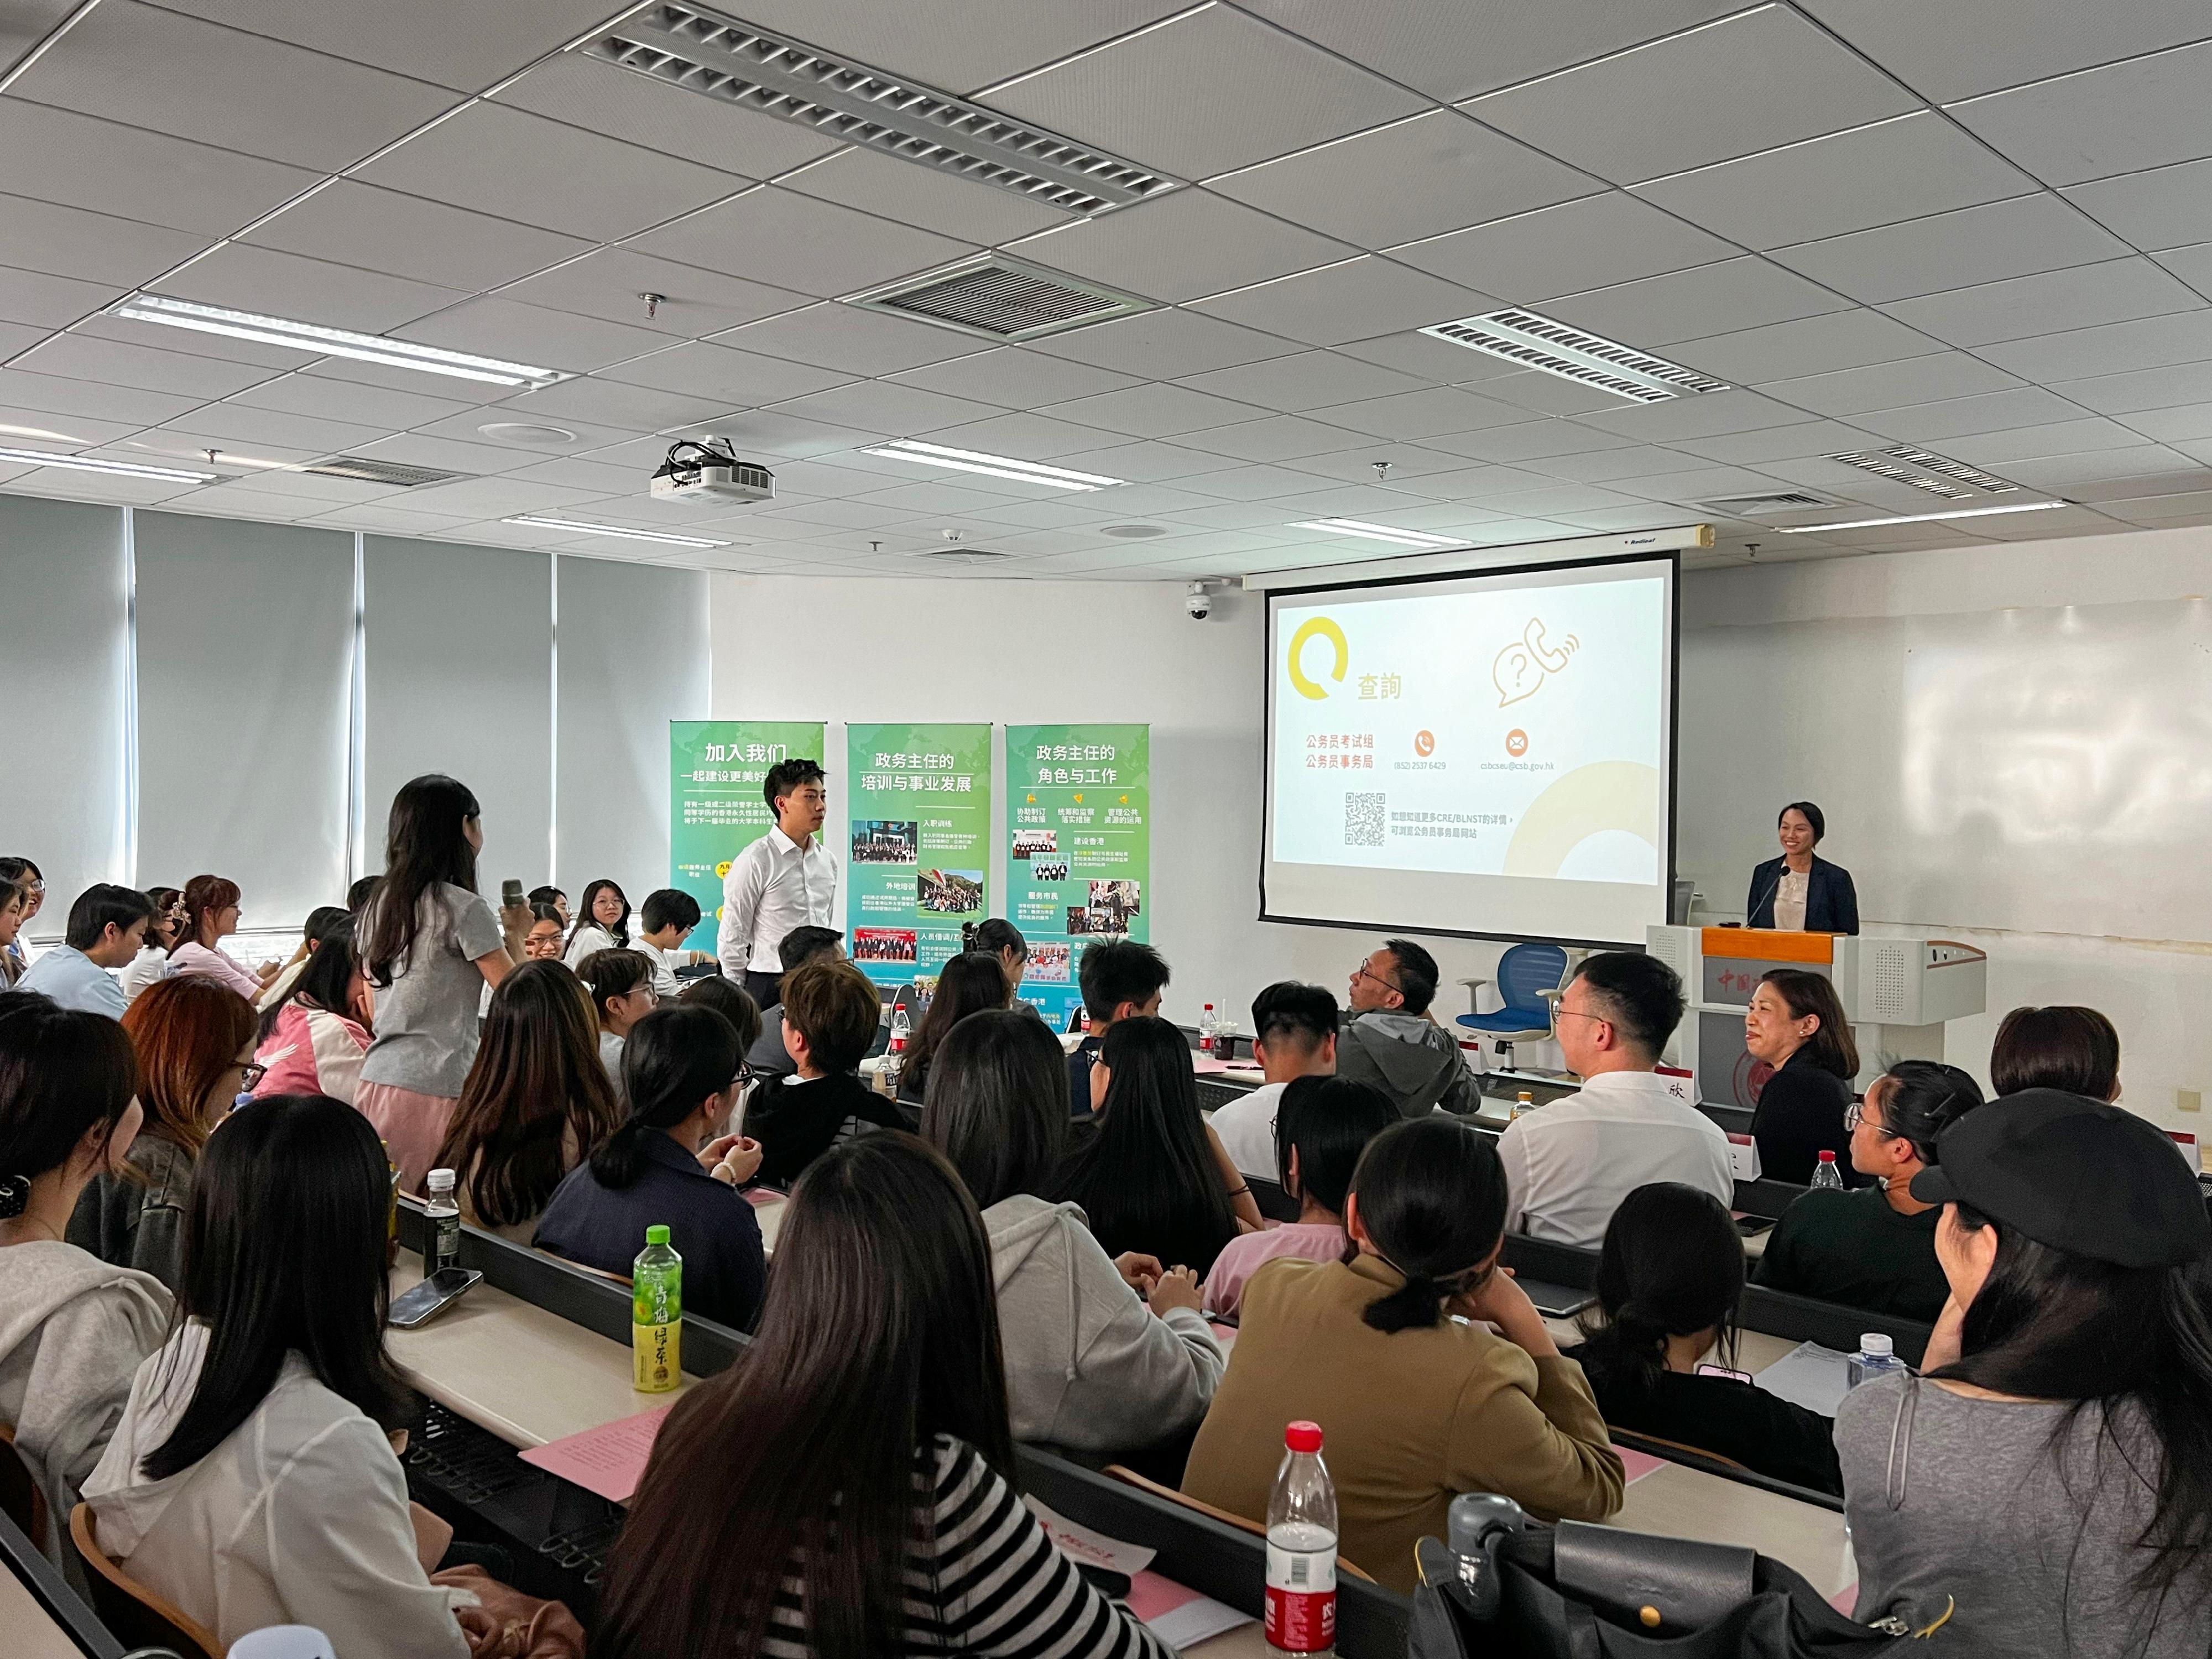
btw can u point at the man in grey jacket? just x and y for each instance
(1391, 1043)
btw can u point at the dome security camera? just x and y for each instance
(1198, 602)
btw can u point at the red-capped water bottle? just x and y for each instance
(1301, 1548)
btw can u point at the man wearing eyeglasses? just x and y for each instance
(1391, 1043)
(1569, 1165)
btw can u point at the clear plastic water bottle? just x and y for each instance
(1522, 1103)
(1877, 1356)
(1301, 1548)
(1827, 1177)
(656, 1315)
(1208, 1024)
(443, 1215)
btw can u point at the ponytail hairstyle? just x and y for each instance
(1429, 1194)
(164, 899)
(675, 1057)
(1671, 1265)
(1925, 1097)
(326, 978)
(426, 845)
(205, 896)
(610, 974)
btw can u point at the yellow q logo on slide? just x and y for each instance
(1322, 628)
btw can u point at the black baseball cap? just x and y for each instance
(2076, 1174)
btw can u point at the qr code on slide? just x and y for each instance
(1363, 819)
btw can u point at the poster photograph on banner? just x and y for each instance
(716, 807)
(918, 852)
(1078, 849)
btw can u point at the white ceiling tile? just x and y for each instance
(1028, 437)
(1277, 438)
(2108, 349)
(610, 282)
(15, 338)
(2159, 208)
(69, 241)
(1533, 390)
(776, 433)
(356, 224)
(578, 473)
(1906, 168)
(56, 394)
(1691, 417)
(1144, 462)
(2060, 472)
(2186, 424)
(2190, 506)
(1600, 240)
(45, 302)
(1532, 441)
(1978, 46)
(927, 197)
(312, 493)
(1425, 357)
(84, 358)
(611, 403)
(1250, 484)
(1158, 97)
(846, 338)
(1013, 377)
(1954, 417)
(466, 47)
(178, 443)
(343, 400)
(1557, 498)
(89, 487)
(2192, 264)
(1887, 385)
(350, 372)
(793, 242)
(883, 406)
(1309, 381)
(1160, 344)
(1810, 345)
(56, 155)
(1155, 410)
(1416, 178)
(1431, 412)
(2073, 437)
(26, 23)
(493, 326)
(491, 497)
(2050, 302)
(1634, 461)
(513, 164)
(1987, 244)
(241, 424)
(1451, 49)
(2169, 387)
(76, 431)
(381, 515)
(105, 325)
(1689, 305)
(2105, 484)
(931, 497)
(737, 380)
(154, 69)
(2144, 113)
(1627, 118)
(1782, 443)
(1181, 245)
(261, 280)
(459, 455)
(1348, 301)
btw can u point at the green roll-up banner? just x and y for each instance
(1078, 827)
(918, 820)
(715, 806)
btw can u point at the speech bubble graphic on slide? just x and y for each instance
(1317, 628)
(1590, 800)
(1520, 666)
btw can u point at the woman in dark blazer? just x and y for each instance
(1795, 1024)
(1830, 903)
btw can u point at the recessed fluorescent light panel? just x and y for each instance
(1379, 533)
(995, 466)
(532, 522)
(1939, 474)
(707, 52)
(1920, 517)
(332, 342)
(1538, 342)
(86, 464)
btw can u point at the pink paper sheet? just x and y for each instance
(1638, 1464)
(609, 1460)
(1206, 1065)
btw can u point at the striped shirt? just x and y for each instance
(987, 1581)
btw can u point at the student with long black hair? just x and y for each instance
(429, 945)
(2044, 1484)
(968, 984)
(315, 1038)
(1417, 1405)
(602, 922)
(847, 1487)
(1668, 1277)
(1149, 1172)
(670, 1163)
(251, 1481)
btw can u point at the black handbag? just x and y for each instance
(1577, 1591)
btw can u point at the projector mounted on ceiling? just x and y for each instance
(710, 472)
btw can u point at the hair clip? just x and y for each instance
(15, 1196)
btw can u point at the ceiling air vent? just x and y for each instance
(1000, 299)
(707, 52)
(1538, 341)
(963, 555)
(368, 470)
(1939, 474)
(1750, 506)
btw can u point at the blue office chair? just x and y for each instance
(1530, 980)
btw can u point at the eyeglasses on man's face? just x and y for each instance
(1363, 971)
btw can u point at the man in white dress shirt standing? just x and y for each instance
(784, 880)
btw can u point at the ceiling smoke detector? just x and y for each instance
(1536, 341)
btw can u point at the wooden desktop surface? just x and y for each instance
(32, 1633)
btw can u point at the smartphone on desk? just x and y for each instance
(420, 1303)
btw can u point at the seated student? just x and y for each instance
(1120, 980)
(551, 897)
(731, 1002)
(313, 1041)
(1391, 1043)
(997, 937)
(1417, 1407)
(152, 962)
(1146, 1170)
(829, 1013)
(1322, 1127)
(1089, 1365)
(1668, 1282)
(1874, 1247)
(767, 1054)
(669, 1162)
(107, 927)
(621, 986)
(363, 889)
(194, 1040)
(1293, 1036)
(251, 1481)
(211, 914)
(848, 1485)
(543, 942)
(537, 1103)
(603, 925)
(1569, 1165)
(2075, 1049)
(969, 983)
(665, 921)
(2047, 1478)
(1795, 1024)
(73, 1328)
(320, 920)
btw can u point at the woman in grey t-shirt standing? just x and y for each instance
(429, 945)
